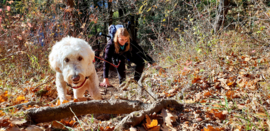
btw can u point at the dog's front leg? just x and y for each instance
(94, 87)
(79, 94)
(61, 87)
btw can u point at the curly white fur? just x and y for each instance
(72, 59)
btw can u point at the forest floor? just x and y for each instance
(230, 100)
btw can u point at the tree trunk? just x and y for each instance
(110, 13)
(121, 12)
(221, 14)
(133, 30)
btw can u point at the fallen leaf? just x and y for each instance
(196, 80)
(20, 99)
(4, 122)
(153, 123)
(2, 113)
(220, 115)
(148, 120)
(230, 83)
(58, 125)
(167, 128)
(203, 101)
(132, 129)
(18, 121)
(34, 128)
(150, 123)
(14, 129)
(168, 117)
(4, 97)
(223, 83)
(230, 94)
(156, 128)
(207, 94)
(211, 128)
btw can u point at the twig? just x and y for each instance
(139, 83)
(43, 83)
(141, 86)
(31, 103)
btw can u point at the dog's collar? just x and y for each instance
(77, 87)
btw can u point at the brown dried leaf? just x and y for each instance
(18, 121)
(57, 125)
(230, 94)
(34, 128)
(211, 128)
(196, 80)
(168, 117)
(207, 94)
(220, 115)
(4, 122)
(223, 83)
(156, 128)
(148, 120)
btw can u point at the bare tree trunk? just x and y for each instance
(121, 10)
(221, 15)
(110, 12)
(133, 29)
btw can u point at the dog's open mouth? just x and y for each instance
(77, 87)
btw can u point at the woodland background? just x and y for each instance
(214, 54)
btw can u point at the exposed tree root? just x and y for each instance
(137, 117)
(136, 108)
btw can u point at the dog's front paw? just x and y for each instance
(97, 97)
(80, 99)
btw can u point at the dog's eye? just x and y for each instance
(80, 58)
(66, 60)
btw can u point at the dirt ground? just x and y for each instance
(191, 118)
(108, 92)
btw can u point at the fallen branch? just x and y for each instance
(46, 114)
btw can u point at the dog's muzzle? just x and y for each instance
(77, 78)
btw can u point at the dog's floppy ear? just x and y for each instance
(55, 61)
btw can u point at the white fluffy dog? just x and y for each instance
(72, 59)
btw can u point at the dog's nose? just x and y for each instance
(75, 78)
